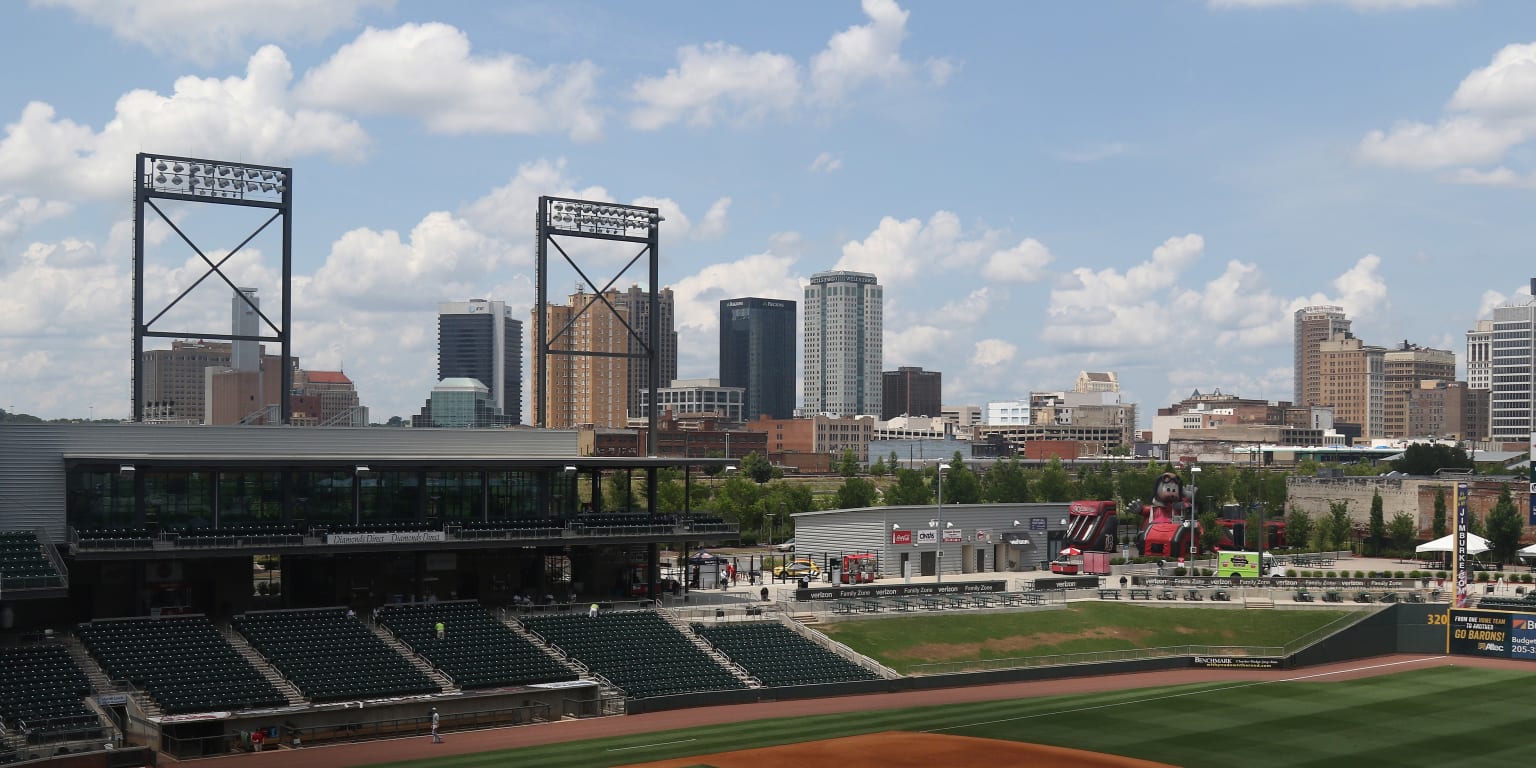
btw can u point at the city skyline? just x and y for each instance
(1151, 188)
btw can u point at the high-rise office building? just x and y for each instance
(1313, 326)
(1511, 362)
(843, 343)
(1404, 368)
(584, 389)
(478, 339)
(757, 353)
(1480, 356)
(911, 391)
(637, 306)
(1352, 379)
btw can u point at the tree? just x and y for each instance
(1378, 532)
(1425, 459)
(1307, 467)
(855, 493)
(1210, 532)
(1054, 483)
(1440, 527)
(1253, 531)
(1403, 530)
(1504, 528)
(618, 492)
(1215, 487)
(1275, 491)
(848, 463)
(737, 500)
(893, 462)
(1339, 526)
(1098, 484)
(1005, 483)
(1298, 529)
(878, 468)
(755, 466)
(910, 490)
(961, 485)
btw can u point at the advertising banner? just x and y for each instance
(1463, 565)
(928, 536)
(1532, 478)
(1239, 662)
(1480, 633)
(952, 535)
(1037, 523)
(395, 537)
(983, 534)
(901, 537)
(900, 590)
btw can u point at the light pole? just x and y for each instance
(770, 528)
(1194, 487)
(938, 556)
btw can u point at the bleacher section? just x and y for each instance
(637, 651)
(114, 538)
(1499, 603)
(182, 662)
(23, 565)
(237, 535)
(776, 655)
(42, 694)
(331, 656)
(477, 651)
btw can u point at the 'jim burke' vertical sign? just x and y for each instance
(1463, 565)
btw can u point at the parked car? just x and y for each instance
(787, 546)
(797, 569)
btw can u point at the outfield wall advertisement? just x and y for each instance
(1496, 634)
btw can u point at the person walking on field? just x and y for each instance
(436, 737)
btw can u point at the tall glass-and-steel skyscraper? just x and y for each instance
(757, 353)
(843, 343)
(479, 339)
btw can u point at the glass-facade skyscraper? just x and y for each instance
(757, 353)
(478, 339)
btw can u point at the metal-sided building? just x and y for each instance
(974, 538)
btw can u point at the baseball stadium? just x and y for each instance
(278, 594)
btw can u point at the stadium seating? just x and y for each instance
(637, 651)
(477, 651)
(1507, 603)
(330, 656)
(114, 538)
(23, 565)
(237, 535)
(42, 693)
(182, 662)
(777, 656)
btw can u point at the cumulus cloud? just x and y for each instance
(898, 249)
(990, 353)
(428, 72)
(1132, 312)
(239, 118)
(1023, 263)
(826, 162)
(17, 214)
(1491, 114)
(210, 29)
(719, 82)
(696, 298)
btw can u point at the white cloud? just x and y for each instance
(714, 222)
(238, 118)
(914, 344)
(369, 269)
(696, 298)
(719, 82)
(898, 249)
(428, 72)
(1358, 5)
(1506, 86)
(1163, 301)
(17, 215)
(1458, 141)
(1496, 177)
(208, 29)
(716, 82)
(862, 52)
(826, 162)
(1023, 263)
(990, 353)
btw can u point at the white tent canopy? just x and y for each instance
(1476, 544)
(1528, 551)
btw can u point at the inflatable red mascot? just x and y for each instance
(1162, 536)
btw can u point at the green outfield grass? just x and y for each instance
(1082, 627)
(1446, 716)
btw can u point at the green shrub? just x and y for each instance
(1332, 574)
(1482, 576)
(1440, 574)
(1359, 574)
(1525, 578)
(1291, 572)
(1178, 570)
(1399, 575)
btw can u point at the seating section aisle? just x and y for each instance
(330, 655)
(476, 651)
(777, 656)
(182, 662)
(23, 564)
(637, 651)
(42, 693)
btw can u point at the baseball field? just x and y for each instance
(1398, 711)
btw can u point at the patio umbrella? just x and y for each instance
(1071, 551)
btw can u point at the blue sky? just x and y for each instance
(1144, 187)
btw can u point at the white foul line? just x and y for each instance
(657, 744)
(1174, 695)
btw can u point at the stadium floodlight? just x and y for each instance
(570, 467)
(363, 468)
(126, 470)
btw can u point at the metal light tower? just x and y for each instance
(220, 182)
(938, 525)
